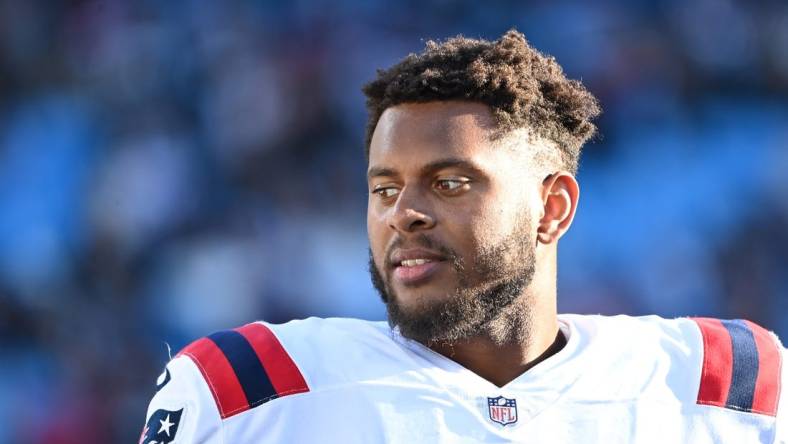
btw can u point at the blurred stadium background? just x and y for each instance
(170, 168)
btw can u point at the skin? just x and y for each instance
(435, 170)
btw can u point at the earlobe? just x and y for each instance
(560, 193)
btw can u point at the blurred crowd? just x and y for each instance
(168, 169)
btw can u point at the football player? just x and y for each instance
(472, 151)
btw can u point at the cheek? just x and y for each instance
(376, 233)
(487, 218)
(490, 223)
(469, 229)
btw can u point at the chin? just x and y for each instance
(413, 301)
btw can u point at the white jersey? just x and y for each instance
(617, 380)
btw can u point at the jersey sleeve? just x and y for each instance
(214, 380)
(183, 410)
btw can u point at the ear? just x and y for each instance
(560, 194)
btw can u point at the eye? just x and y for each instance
(386, 192)
(451, 184)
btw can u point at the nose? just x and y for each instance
(410, 213)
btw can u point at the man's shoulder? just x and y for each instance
(675, 334)
(323, 347)
(636, 345)
(259, 362)
(229, 372)
(735, 365)
(640, 326)
(319, 330)
(641, 341)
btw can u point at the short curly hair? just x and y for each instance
(523, 88)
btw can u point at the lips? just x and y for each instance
(415, 266)
(413, 254)
(417, 274)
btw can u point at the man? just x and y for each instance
(472, 150)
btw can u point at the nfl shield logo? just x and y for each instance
(502, 410)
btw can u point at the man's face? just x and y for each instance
(449, 220)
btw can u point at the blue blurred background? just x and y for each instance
(170, 168)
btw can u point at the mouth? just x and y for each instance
(412, 275)
(415, 267)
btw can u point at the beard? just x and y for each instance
(494, 305)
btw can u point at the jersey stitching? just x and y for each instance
(229, 413)
(780, 387)
(224, 414)
(264, 400)
(704, 368)
(214, 392)
(780, 355)
(735, 407)
(289, 356)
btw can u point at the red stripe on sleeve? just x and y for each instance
(219, 375)
(715, 380)
(767, 385)
(283, 372)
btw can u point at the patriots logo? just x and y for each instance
(161, 427)
(502, 410)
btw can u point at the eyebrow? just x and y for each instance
(432, 166)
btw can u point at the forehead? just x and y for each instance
(415, 131)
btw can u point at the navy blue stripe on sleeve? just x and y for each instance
(250, 372)
(745, 365)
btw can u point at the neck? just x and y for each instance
(500, 364)
(535, 337)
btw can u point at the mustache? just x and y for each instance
(423, 241)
